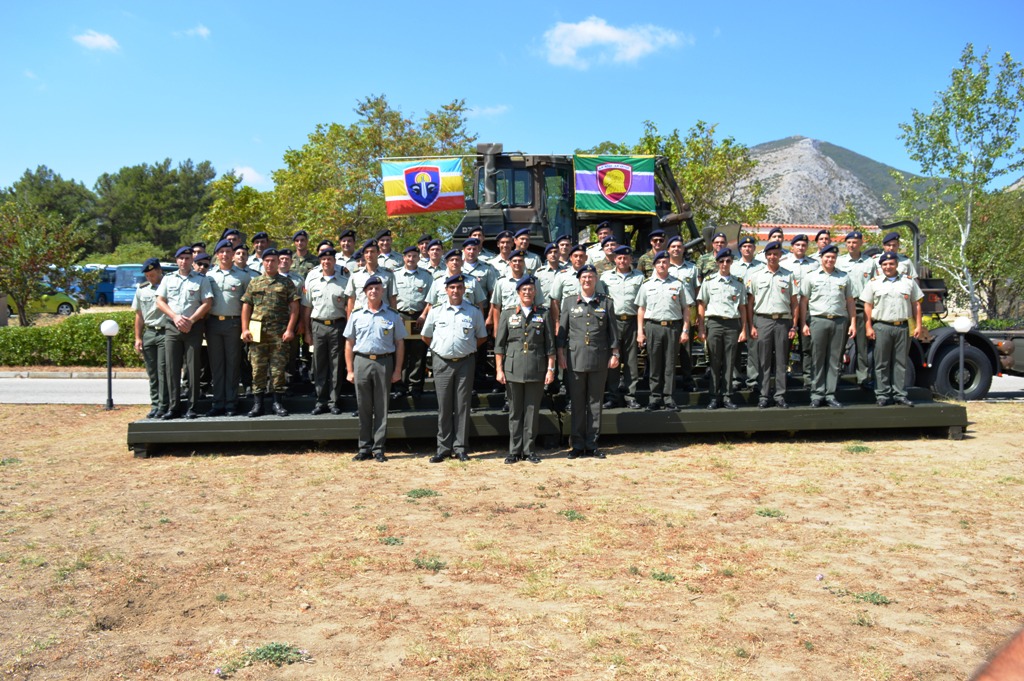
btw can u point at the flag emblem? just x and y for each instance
(423, 183)
(614, 180)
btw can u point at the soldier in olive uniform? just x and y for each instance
(722, 321)
(149, 336)
(800, 265)
(774, 234)
(646, 263)
(742, 268)
(587, 348)
(685, 271)
(663, 322)
(889, 300)
(358, 277)
(521, 241)
(605, 262)
(413, 284)
(260, 243)
(185, 297)
(374, 352)
(546, 274)
(273, 301)
(826, 308)
(860, 268)
(622, 285)
(524, 351)
(224, 329)
(435, 259)
(324, 303)
(774, 308)
(596, 250)
(904, 265)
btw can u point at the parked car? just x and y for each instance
(56, 302)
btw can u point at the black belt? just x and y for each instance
(222, 317)
(374, 357)
(659, 322)
(625, 317)
(457, 359)
(411, 313)
(720, 318)
(328, 322)
(899, 323)
(158, 329)
(773, 316)
(829, 316)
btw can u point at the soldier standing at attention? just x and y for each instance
(646, 264)
(273, 301)
(454, 330)
(742, 269)
(606, 260)
(324, 302)
(150, 326)
(304, 260)
(563, 244)
(546, 274)
(773, 302)
(506, 244)
(434, 262)
(185, 297)
(224, 329)
(889, 300)
(722, 319)
(260, 242)
(622, 285)
(774, 234)
(421, 245)
(891, 244)
(521, 241)
(346, 256)
(686, 272)
(524, 354)
(587, 349)
(663, 323)
(860, 268)
(596, 250)
(707, 263)
(824, 239)
(800, 265)
(413, 285)
(356, 297)
(374, 352)
(386, 258)
(826, 308)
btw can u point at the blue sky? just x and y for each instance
(89, 87)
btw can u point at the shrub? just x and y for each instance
(76, 341)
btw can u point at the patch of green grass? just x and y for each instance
(221, 598)
(633, 570)
(742, 652)
(277, 654)
(857, 448)
(164, 520)
(9, 461)
(863, 620)
(766, 512)
(808, 646)
(1005, 480)
(34, 561)
(872, 597)
(391, 541)
(572, 515)
(421, 493)
(727, 572)
(663, 576)
(433, 563)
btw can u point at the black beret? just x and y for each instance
(223, 243)
(576, 247)
(525, 231)
(202, 257)
(831, 248)
(325, 242)
(822, 231)
(455, 279)
(518, 253)
(610, 237)
(369, 243)
(854, 235)
(891, 236)
(199, 244)
(372, 281)
(798, 237)
(454, 253)
(471, 241)
(299, 233)
(259, 235)
(773, 246)
(775, 230)
(564, 237)
(603, 225)
(550, 247)
(724, 253)
(435, 242)
(347, 232)
(504, 235)
(656, 232)
(229, 232)
(410, 249)
(720, 234)
(151, 264)
(660, 255)
(524, 281)
(747, 240)
(424, 238)
(586, 268)
(623, 250)
(383, 232)
(284, 251)
(270, 252)
(328, 252)
(182, 251)
(888, 255)
(672, 240)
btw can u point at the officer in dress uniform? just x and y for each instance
(663, 322)
(860, 268)
(722, 319)
(623, 284)
(742, 269)
(889, 300)
(150, 327)
(324, 303)
(826, 308)
(685, 271)
(774, 308)
(185, 297)
(374, 352)
(587, 348)
(454, 330)
(224, 329)
(524, 351)
(413, 285)
(272, 300)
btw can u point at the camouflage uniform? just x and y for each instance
(270, 298)
(706, 266)
(646, 264)
(303, 264)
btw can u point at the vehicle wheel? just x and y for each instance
(65, 308)
(977, 373)
(102, 299)
(910, 380)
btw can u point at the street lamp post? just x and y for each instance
(962, 325)
(109, 328)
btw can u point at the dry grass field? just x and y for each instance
(768, 558)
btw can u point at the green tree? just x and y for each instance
(965, 142)
(50, 193)
(38, 246)
(236, 206)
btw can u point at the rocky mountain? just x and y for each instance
(808, 181)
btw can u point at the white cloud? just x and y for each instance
(198, 30)
(30, 74)
(565, 41)
(251, 177)
(92, 40)
(486, 111)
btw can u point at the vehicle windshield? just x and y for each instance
(129, 277)
(513, 187)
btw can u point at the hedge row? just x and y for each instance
(76, 341)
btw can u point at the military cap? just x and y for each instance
(586, 268)
(372, 281)
(358, 255)
(854, 235)
(454, 253)
(550, 247)
(478, 228)
(773, 246)
(242, 247)
(383, 232)
(720, 234)
(328, 252)
(891, 236)
(424, 238)
(746, 240)
(151, 264)
(325, 242)
(603, 225)
(199, 244)
(888, 255)
(223, 243)
(518, 253)
(299, 233)
(576, 247)
(610, 237)
(660, 255)
(284, 251)
(347, 232)
(775, 230)
(564, 237)
(270, 253)
(471, 241)
(822, 231)
(831, 248)
(798, 237)
(624, 249)
(228, 232)
(656, 232)
(455, 279)
(724, 253)
(202, 257)
(369, 243)
(182, 251)
(528, 279)
(435, 242)
(673, 240)
(504, 234)
(410, 249)
(260, 235)
(525, 231)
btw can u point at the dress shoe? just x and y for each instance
(728, 403)
(277, 406)
(336, 411)
(159, 415)
(610, 404)
(868, 386)
(713, 404)
(882, 402)
(670, 405)
(781, 403)
(216, 411)
(379, 457)
(834, 403)
(534, 459)
(654, 406)
(437, 458)
(632, 403)
(510, 459)
(152, 413)
(397, 394)
(596, 452)
(318, 409)
(462, 456)
(169, 416)
(905, 401)
(257, 406)
(362, 456)
(191, 415)
(817, 404)
(575, 453)
(762, 403)
(504, 407)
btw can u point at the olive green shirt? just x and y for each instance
(145, 302)
(860, 271)
(184, 295)
(228, 287)
(325, 296)
(722, 296)
(826, 293)
(892, 300)
(663, 300)
(623, 289)
(772, 292)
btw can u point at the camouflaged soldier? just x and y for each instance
(272, 300)
(303, 260)
(605, 262)
(889, 300)
(706, 264)
(646, 263)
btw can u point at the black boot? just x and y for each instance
(278, 407)
(257, 406)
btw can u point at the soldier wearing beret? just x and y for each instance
(826, 308)
(860, 269)
(506, 243)
(260, 242)
(889, 301)
(473, 292)
(605, 262)
(742, 268)
(685, 271)
(228, 283)
(774, 234)
(346, 256)
(623, 284)
(374, 352)
(413, 284)
(646, 264)
(271, 305)
(524, 352)
(304, 261)
(150, 328)
(185, 297)
(596, 250)
(324, 307)
(201, 262)
(548, 271)
(567, 284)
(587, 348)
(521, 241)
(722, 319)
(663, 322)
(707, 264)
(801, 264)
(454, 330)
(823, 239)
(773, 301)
(485, 253)
(357, 279)
(434, 262)
(904, 265)
(386, 257)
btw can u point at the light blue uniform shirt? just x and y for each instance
(453, 331)
(375, 333)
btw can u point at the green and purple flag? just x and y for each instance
(622, 184)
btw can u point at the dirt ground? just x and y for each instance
(882, 557)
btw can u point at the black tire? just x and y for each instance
(977, 369)
(910, 380)
(102, 300)
(65, 309)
